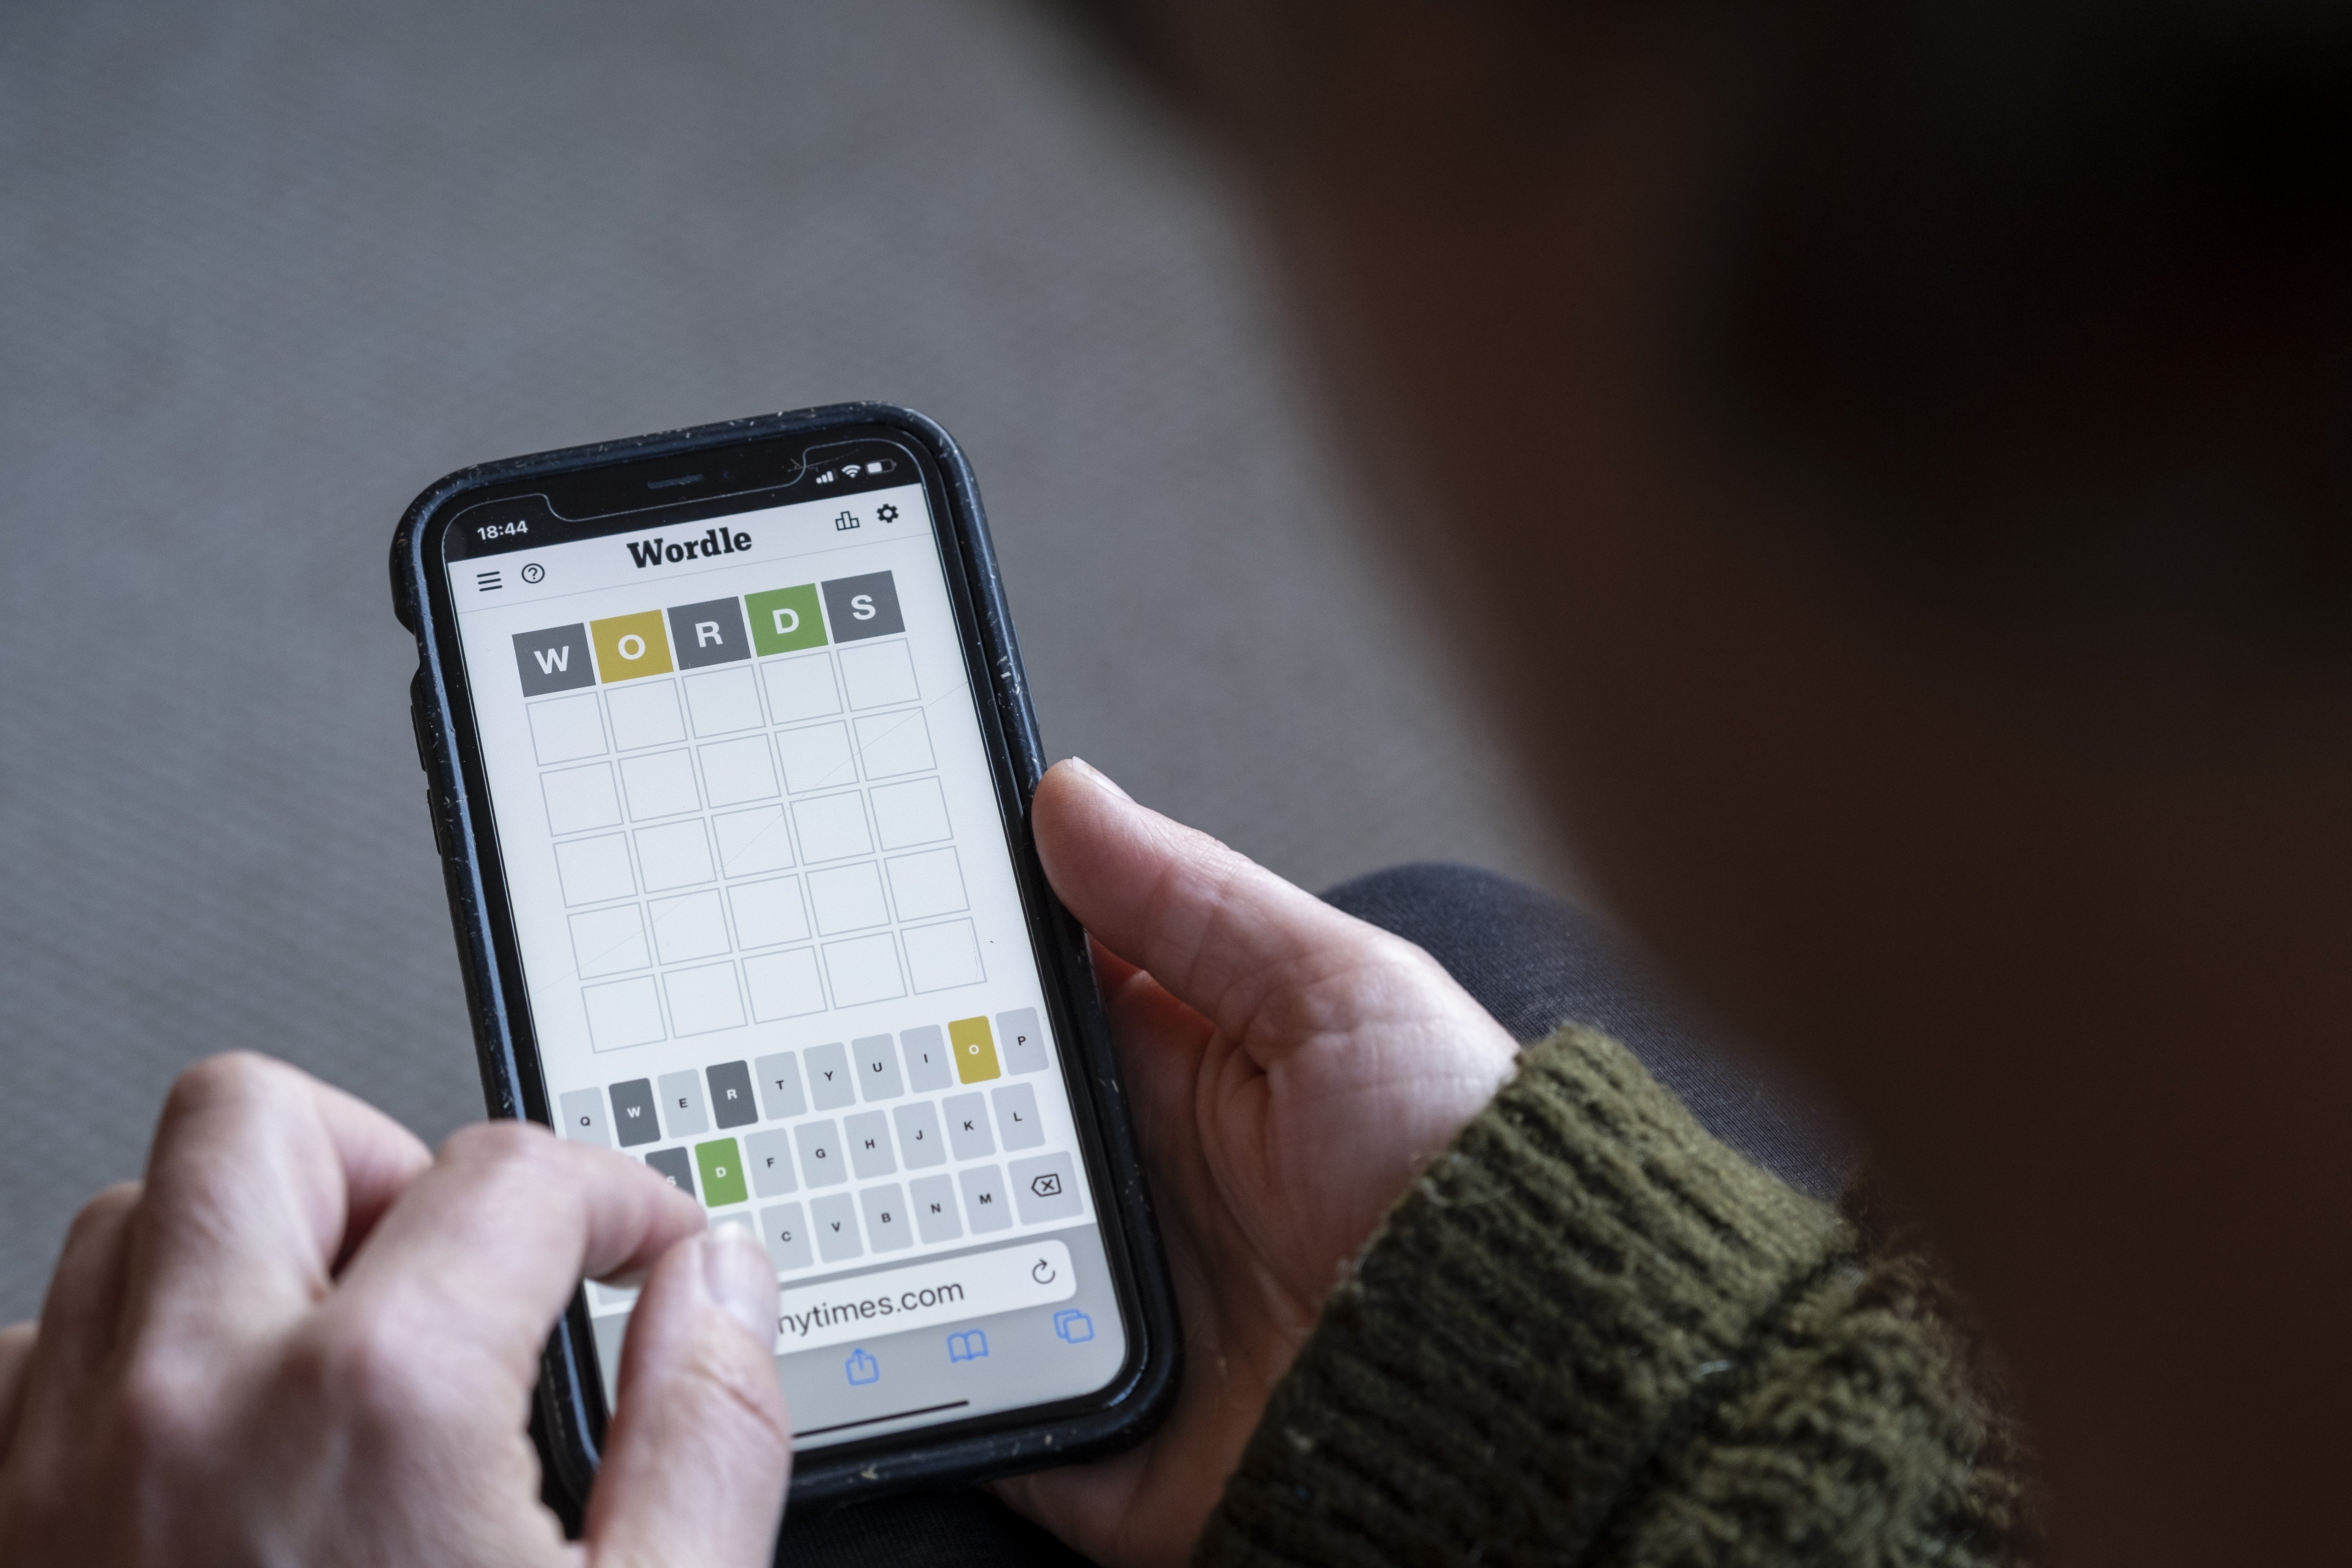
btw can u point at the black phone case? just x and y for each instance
(570, 1408)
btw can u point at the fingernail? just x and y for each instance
(737, 1273)
(1100, 777)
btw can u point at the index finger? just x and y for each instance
(260, 1180)
(483, 1251)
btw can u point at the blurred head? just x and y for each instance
(1920, 581)
(1927, 599)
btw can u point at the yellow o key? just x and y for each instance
(974, 1050)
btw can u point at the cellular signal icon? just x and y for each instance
(825, 478)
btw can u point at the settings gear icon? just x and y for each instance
(886, 512)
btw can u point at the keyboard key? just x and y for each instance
(1024, 1043)
(927, 1058)
(582, 1118)
(780, 1086)
(867, 1134)
(934, 1203)
(975, 1049)
(886, 1221)
(731, 1094)
(723, 1172)
(768, 1157)
(968, 1132)
(829, 1083)
(835, 1220)
(681, 1094)
(787, 1234)
(1046, 1187)
(820, 1146)
(1016, 1117)
(984, 1200)
(675, 1164)
(633, 1113)
(918, 1135)
(878, 1066)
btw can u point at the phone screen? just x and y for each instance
(773, 943)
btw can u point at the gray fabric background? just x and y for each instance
(266, 268)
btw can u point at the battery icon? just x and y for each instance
(881, 465)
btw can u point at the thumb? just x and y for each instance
(699, 1449)
(1224, 935)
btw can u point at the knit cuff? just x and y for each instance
(1533, 1322)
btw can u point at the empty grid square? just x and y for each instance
(832, 827)
(660, 786)
(877, 674)
(675, 854)
(909, 813)
(801, 688)
(816, 758)
(609, 942)
(928, 884)
(864, 969)
(689, 927)
(594, 869)
(848, 898)
(626, 1013)
(581, 798)
(567, 729)
(892, 743)
(704, 999)
(943, 956)
(768, 912)
(724, 701)
(737, 771)
(751, 842)
(784, 984)
(645, 715)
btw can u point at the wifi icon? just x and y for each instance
(850, 469)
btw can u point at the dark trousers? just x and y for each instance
(1535, 964)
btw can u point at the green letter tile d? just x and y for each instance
(722, 1172)
(786, 620)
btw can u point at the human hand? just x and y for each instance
(305, 1338)
(1290, 1070)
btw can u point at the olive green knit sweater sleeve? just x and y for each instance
(1594, 1335)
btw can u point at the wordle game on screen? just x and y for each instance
(744, 838)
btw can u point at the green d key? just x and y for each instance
(722, 1172)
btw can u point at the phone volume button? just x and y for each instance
(440, 823)
(416, 723)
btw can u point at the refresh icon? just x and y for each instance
(1043, 1272)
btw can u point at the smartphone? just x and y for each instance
(729, 754)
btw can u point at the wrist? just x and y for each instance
(1535, 1311)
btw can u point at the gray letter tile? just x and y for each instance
(1018, 1036)
(829, 1079)
(768, 1157)
(780, 1086)
(681, 1095)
